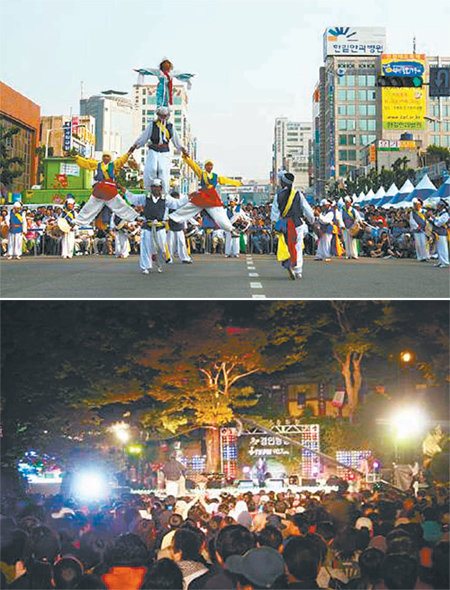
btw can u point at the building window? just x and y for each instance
(342, 154)
(362, 95)
(342, 95)
(351, 155)
(371, 110)
(342, 140)
(362, 80)
(363, 110)
(371, 125)
(351, 95)
(342, 124)
(342, 170)
(342, 110)
(351, 81)
(363, 124)
(351, 124)
(351, 110)
(342, 81)
(372, 95)
(371, 80)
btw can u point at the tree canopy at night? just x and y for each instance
(191, 364)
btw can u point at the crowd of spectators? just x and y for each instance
(386, 235)
(372, 539)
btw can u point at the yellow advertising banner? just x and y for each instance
(403, 108)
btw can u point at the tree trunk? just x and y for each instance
(212, 449)
(346, 370)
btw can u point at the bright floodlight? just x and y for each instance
(121, 431)
(408, 422)
(406, 356)
(90, 485)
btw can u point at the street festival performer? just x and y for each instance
(289, 208)
(158, 135)
(165, 75)
(206, 197)
(66, 223)
(154, 237)
(104, 189)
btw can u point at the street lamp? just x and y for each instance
(408, 423)
(406, 356)
(121, 431)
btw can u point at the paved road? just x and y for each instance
(212, 276)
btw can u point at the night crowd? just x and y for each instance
(386, 235)
(373, 539)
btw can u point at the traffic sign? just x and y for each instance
(439, 81)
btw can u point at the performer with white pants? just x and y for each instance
(176, 240)
(154, 237)
(290, 207)
(121, 241)
(440, 227)
(206, 197)
(418, 224)
(235, 214)
(17, 223)
(68, 239)
(104, 189)
(350, 218)
(158, 136)
(325, 219)
(174, 472)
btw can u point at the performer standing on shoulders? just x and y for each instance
(206, 197)
(158, 135)
(104, 189)
(418, 224)
(154, 238)
(17, 223)
(165, 74)
(441, 226)
(68, 239)
(289, 210)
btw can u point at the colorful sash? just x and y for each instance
(163, 130)
(169, 85)
(205, 181)
(287, 248)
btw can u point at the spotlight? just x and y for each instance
(408, 422)
(90, 486)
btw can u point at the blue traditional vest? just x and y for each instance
(68, 214)
(98, 176)
(348, 217)
(421, 221)
(15, 222)
(205, 181)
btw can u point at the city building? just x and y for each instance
(438, 109)
(291, 150)
(18, 111)
(145, 104)
(61, 133)
(114, 116)
(355, 119)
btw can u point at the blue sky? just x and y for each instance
(254, 59)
